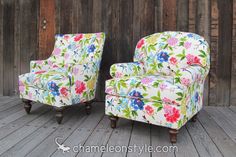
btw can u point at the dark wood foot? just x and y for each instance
(173, 135)
(27, 105)
(59, 114)
(88, 107)
(194, 118)
(113, 121)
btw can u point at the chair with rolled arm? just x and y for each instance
(68, 76)
(164, 85)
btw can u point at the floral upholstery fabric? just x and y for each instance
(168, 91)
(69, 75)
(127, 69)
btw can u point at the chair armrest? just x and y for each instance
(190, 75)
(38, 65)
(127, 69)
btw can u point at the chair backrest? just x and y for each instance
(168, 51)
(77, 49)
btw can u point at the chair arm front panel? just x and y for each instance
(127, 69)
(83, 81)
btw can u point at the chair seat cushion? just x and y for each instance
(47, 80)
(148, 88)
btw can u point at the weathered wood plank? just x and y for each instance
(84, 131)
(47, 27)
(99, 137)
(203, 143)
(192, 15)
(120, 137)
(233, 66)
(15, 137)
(214, 52)
(182, 15)
(48, 146)
(169, 15)
(8, 46)
(203, 28)
(26, 145)
(13, 126)
(229, 114)
(185, 144)
(147, 21)
(158, 15)
(29, 36)
(1, 47)
(223, 142)
(225, 56)
(222, 121)
(10, 104)
(160, 138)
(140, 137)
(66, 16)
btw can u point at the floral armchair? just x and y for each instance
(164, 85)
(68, 76)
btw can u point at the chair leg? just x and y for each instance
(88, 107)
(194, 118)
(113, 121)
(27, 105)
(173, 135)
(59, 114)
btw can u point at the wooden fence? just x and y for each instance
(125, 22)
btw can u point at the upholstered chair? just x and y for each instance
(68, 76)
(163, 85)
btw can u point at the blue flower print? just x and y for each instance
(72, 47)
(53, 88)
(196, 97)
(190, 35)
(91, 48)
(137, 104)
(163, 56)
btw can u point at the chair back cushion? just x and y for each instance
(77, 49)
(168, 51)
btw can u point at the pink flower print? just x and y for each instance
(56, 51)
(166, 100)
(185, 81)
(66, 37)
(50, 63)
(67, 55)
(30, 95)
(187, 45)
(78, 37)
(118, 74)
(21, 86)
(163, 86)
(140, 43)
(191, 59)
(39, 62)
(146, 80)
(75, 71)
(173, 60)
(171, 113)
(109, 90)
(172, 41)
(149, 110)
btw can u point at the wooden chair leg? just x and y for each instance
(113, 121)
(88, 107)
(27, 105)
(194, 118)
(173, 135)
(59, 114)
